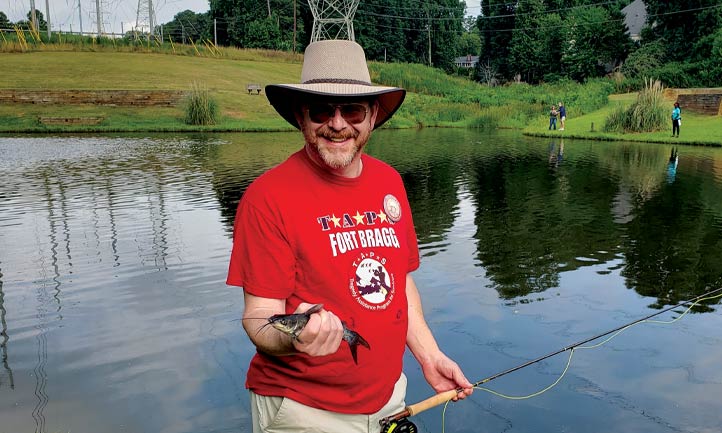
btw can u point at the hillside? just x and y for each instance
(226, 80)
(433, 99)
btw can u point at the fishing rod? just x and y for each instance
(399, 423)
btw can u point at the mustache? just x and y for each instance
(329, 133)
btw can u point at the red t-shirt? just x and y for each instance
(305, 235)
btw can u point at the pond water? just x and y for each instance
(114, 314)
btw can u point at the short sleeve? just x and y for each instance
(262, 261)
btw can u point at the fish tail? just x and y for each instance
(354, 339)
(360, 340)
(354, 354)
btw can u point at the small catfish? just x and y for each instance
(293, 324)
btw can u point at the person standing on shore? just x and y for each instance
(553, 118)
(562, 116)
(676, 119)
(332, 225)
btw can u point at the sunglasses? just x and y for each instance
(352, 113)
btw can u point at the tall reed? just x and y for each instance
(200, 107)
(646, 114)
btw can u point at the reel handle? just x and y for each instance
(432, 401)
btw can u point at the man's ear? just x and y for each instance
(374, 107)
(298, 114)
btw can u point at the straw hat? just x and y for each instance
(334, 69)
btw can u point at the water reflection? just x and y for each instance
(556, 153)
(6, 376)
(536, 218)
(672, 165)
(114, 252)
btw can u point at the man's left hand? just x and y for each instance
(444, 374)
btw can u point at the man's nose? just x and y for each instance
(337, 122)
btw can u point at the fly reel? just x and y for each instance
(402, 425)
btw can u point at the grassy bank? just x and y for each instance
(434, 99)
(696, 129)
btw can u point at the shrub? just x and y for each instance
(200, 107)
(646, 114)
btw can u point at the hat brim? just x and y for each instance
(285, 98)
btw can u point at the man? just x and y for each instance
(332, 226)
(562, 116)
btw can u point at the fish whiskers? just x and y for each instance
(293, 324)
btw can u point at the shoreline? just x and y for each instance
(218, 129)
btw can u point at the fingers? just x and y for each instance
(322, 334)
(463, 382)
(465, 387)
(444, 374)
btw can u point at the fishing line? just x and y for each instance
(388, 424)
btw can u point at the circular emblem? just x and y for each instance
(392, 208)
(372, 286)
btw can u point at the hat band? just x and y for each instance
(337, 81)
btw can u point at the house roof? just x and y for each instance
(467, 59)
(635, 17)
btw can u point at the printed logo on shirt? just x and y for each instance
(371, 284)
(392, 208)
(350, 231)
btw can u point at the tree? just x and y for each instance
(446, 31)
(552, 39)
(527, 47)
(27, 25)
(242, 22)
(4, 21)
(381, 29)
(682, 25)
(263, 34)
(188, 25)
(495, 25)
(642, 62)
(711, 70)
(470, 43)
(42, 24)
(406, 31)
(485, 74)
(595, 39)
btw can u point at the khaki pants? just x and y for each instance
(283, 415)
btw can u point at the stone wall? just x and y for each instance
(120, 98)
(702, 101)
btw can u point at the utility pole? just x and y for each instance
(429, 17)
(33, 17)
(294, 26)
(97, 17)
(47, 18)
(151, 18)
(80, 17)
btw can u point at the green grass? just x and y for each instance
(696, 129)
(225, 79)
(434, 99)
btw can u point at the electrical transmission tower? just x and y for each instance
(99, 10)
(333, 19)
(146, 17)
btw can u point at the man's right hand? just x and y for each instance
(322, 334)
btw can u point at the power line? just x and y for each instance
(441, 19)
(441, 8)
